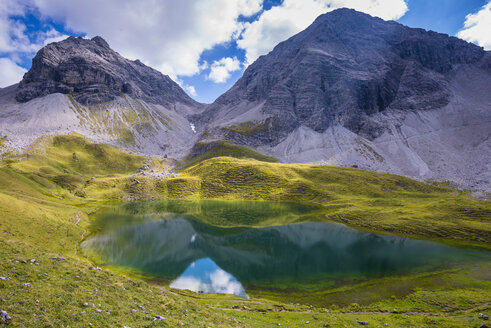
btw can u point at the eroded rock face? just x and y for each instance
(344, 68)
(93, 73)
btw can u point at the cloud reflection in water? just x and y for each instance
(205, 276)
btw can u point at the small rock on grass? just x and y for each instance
(4, 317)
(364, 323)
(483, 316)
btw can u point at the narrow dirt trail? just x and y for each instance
(78, 242)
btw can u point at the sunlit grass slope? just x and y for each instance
(47, 193)
(206, 150)
(75, 155)
(41, 220)
(73, 168)
(369, 200)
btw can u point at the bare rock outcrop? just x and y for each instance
(93, 73)
(344, 68)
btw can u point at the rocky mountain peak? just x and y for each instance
(100, 41)
(92, 73)
(342, 69)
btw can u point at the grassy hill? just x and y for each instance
(48, 192)
(206, 150)
(363, 199)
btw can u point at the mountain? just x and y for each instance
(94, 73)
(352, 89)
(81, 85)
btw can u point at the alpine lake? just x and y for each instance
(280, 251)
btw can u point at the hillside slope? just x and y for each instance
(74, 168)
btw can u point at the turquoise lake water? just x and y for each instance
(174, 241)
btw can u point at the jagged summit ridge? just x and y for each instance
(343, 68)
(93, 73)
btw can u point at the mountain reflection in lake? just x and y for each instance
(201, 257)
(205, 276)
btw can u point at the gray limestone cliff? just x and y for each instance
(342, 69)
(93, 73)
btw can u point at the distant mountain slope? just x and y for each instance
(356, 90)
(81, 85)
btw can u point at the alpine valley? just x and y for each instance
(358, 138)
(349, 90)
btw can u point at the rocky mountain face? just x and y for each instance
(93, 73)
(342, 69)
(352, 89)
(81, 85)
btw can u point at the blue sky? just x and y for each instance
(206, 44)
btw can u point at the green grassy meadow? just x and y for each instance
(48, 192)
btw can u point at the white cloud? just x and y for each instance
(292, 16)
(221, 70)
(222, 282)
(192, 91)
(15, 42)
(10, 72)
(204, 65)
(189, 283)
(8, 27)
(188, 88)
(477, 27)
(53, 35)
(168, 35)
(217, 281)
(204, 275)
